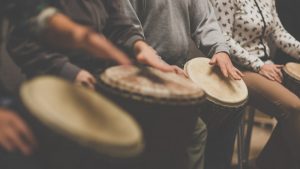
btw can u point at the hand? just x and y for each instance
(15, 134)
(223, 61)
(147, 55)
(84, 78)
(272, 72)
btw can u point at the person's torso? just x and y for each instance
(166, 25)
(250, 20)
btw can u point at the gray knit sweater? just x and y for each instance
(169, 24)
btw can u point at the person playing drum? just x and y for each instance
(15, 133)
(168, 26)
(44, 22)
(41, 59)
(247, 25)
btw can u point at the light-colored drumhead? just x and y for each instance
(221, 91)
(293, 69)
(82, 115)
(169, 86)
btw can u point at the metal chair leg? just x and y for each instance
(240, 144)
(248, 134)
(244, 136)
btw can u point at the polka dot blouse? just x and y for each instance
(247, 25)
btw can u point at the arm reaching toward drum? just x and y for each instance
(226, 17)
(223, 61)
(15, 134)
(147, 55)
(208, 37)
(62, 32)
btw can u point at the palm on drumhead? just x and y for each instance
(228, 70)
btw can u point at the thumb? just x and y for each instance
(213, 61)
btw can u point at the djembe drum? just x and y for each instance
(223, 94)
(164, 104)
(78, 128)
(291, 74)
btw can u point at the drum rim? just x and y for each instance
(111, 150)
(148, 99)
(103, 82)
(229, 105)
(289, 73)
(214, 99)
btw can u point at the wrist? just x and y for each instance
(139, 45)
(258, 67)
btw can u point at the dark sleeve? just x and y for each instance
(123, 27)
(34, 58)
(20, 11)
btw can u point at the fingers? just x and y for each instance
(16, 140)
(85, 79)
(179, 71)
(213, 61)
(233, 73)
(92, 80)
(239, 72)
(278, 71)
(22, 128)
(272, 77)
(277, 78)
(5, 143)
(224, 69)
(268, 76)
(88, 84)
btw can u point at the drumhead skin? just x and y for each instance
(293, 70)
(83, 116)
(163, 86)
(225, 92)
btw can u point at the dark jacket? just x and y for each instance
(104, 16)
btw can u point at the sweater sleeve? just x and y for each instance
(282, 38)
(225, 11)
(206, 32)
(36, 59)
(123, 27)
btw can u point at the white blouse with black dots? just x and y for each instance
(243, 25)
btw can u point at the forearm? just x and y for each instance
(243, 58)
(288, 44)
(124, 27)
(206, 31)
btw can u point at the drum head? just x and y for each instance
(155, 86)
(293, 70)
(225, 92)
(83, 116)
